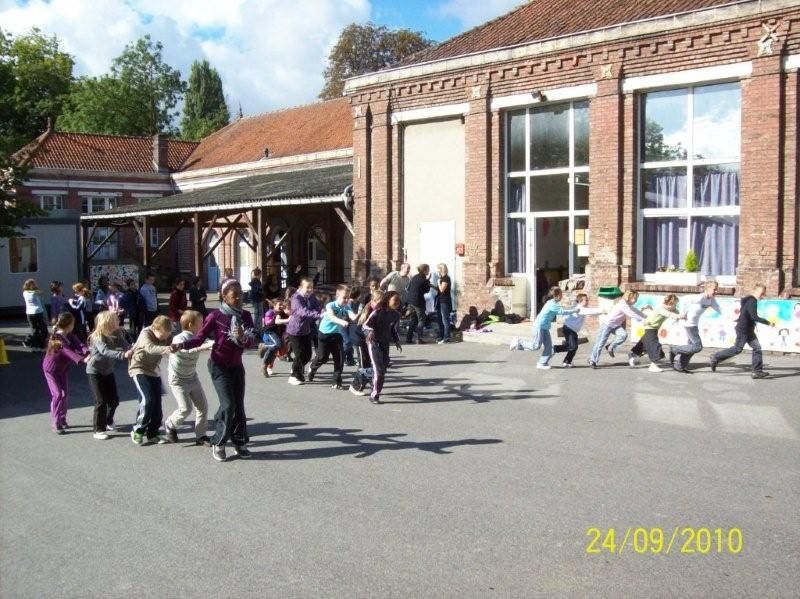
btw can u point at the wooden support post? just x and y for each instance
(103, 243)
(168, 238)
(198, 248)
(145, 244)
(260, 242)
(345, 219)
(84, 259)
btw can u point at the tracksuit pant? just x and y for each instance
(231, 421)
(330, 345)
(106, 400)
(379, 355)
(58, 384)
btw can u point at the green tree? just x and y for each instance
(11, 212)
(365, 48)
(35, 79)
(138, 97)
(204, 107)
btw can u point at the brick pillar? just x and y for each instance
(396, 206)
(606, 191)
(361, 190)
(477, 200)
(760, 238)
(791, 181)
(497, 209)
(381, 187)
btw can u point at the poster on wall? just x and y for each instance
(718, 330)
(116, 273)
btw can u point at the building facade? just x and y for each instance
(588, 140)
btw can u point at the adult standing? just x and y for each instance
(257, 298)
(444, 303)
(417, 288)
(305, 311)
(746, 333)
(398, 281)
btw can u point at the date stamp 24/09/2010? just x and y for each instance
(685, 540)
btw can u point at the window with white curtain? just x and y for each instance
(689, 179)
(50, 201)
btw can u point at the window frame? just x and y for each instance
(52, 196)
(690, 211)
(110, 251)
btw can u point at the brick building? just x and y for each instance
(594, 138)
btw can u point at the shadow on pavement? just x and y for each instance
(347, 442)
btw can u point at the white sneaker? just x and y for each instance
(355, 391)
(111, 428)
(655, 368)
(100, 436)
(514, 345)
(633, 361)
(567, 364)
(294, 381)
(269, 371)
(542, 366)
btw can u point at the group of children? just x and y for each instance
(295, 327)
(612, 333)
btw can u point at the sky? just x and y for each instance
(269, 53)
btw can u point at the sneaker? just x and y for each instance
(262, 349)
(443, 341)
(655, 368)
(269, 371)
(171, 434)
(204, 441)
(100, 436)
(713, 363)
(760, 374)
(374, 400)
(218, 453)
(514, 345)
(567, 365)
(240, 451)
(311, 374)
(541, 366)
(111, 428)
(59, 430)
(294, 381)
(137, 438)
(337, 386)
(632, 360)
(593, 365)
(157, 440)
(355, 391)
(610, 350)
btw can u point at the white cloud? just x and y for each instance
(270, 53)
(473, 12)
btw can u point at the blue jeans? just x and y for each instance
(443, 314)
(541, 339)
(620, 335)
(694, 345)
(742, 337)
(273, 343)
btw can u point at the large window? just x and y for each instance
(23, 256)
(547, 189)
(91, 204)
(50, 202)
(689, 179)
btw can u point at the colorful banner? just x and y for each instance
(116, 273)
(717, 330)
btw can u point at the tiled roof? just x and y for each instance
(545, 19)
(300, 130)
(92, 152)
(264, 189)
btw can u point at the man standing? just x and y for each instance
(417, 288)
(746, 333)
(693, 309)
(149, 300)
(398, 281)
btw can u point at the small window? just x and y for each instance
(51, 202)
(23, 255)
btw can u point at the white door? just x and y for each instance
(437, 242)
(317, 256)
(243, 259)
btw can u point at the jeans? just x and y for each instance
(330, 345)
(189, 394)
(148, 418)
(620, 335)
(541, 339)
(443, 315)
(231, 420)
(274, 343)
(106, 400)
(649, 343)
(742, 337)
(301, 349)
(570, 345)
(416, 323)
(695, 345)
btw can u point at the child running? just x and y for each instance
(746, 333)
(541, 328)
(274, 328)
(185, 384)
(649, 341)
(573, 324)
(364, 373)
(693, 308)
(154, 343)
(62, 348)
(381, 328)
(107, 345)
(78, 306)
(232, 329)
(305, 311)
(615, 325)
(332, 330)
(37, 316)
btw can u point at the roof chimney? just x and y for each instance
(160, 154)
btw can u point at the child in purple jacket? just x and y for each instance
(63, 348)
(232, 330)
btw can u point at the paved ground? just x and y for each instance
(478, 477)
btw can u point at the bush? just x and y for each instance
(691, 264)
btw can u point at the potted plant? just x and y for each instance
(688, 276)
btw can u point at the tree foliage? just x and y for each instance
(12, 213)
(139, 97)
(35, 79)
(366, 48)
(204, 108)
